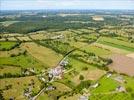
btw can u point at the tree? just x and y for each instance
(81, 77)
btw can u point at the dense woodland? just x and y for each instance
(53, 20)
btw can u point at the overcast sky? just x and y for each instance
(65, 4)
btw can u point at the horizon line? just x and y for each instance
(58, 9)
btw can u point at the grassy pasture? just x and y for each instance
(117, 43)
(18, 86)
(7, 45)
(24, 61)
(45, 55)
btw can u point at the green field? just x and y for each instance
(117, 43)
(8, 45)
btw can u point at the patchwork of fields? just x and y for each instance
(67, 57)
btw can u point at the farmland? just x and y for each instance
(67, 55)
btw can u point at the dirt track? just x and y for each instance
(122, 64)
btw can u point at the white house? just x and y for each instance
(83, 97)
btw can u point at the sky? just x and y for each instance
(65, 4)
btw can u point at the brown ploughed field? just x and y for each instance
(122, 64)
